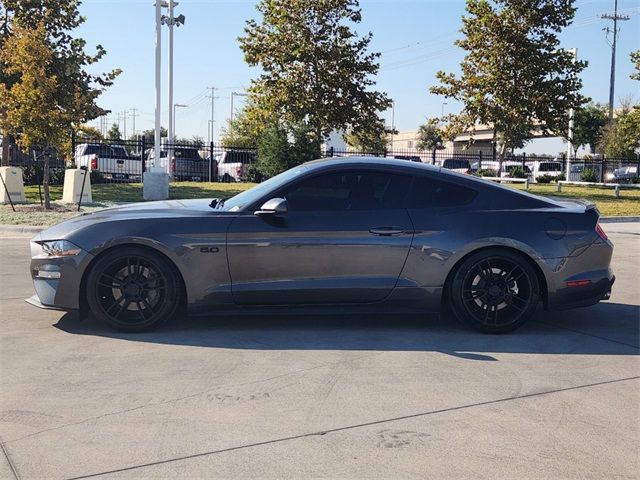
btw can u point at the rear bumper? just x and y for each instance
(584, 296)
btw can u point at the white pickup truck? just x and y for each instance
(232, 165)
(113, 161)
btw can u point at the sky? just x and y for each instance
(415, 38)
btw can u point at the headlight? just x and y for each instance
(59, 248)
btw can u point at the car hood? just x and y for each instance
(133, 211)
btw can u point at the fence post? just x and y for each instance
(143, 149)
(212, 162)
(433, 157)
(602, 167)
(331, 151)
(479, 159)
(524, 157)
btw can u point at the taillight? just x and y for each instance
(94, 162)
(173, 164)
(239, 170)
(601, 232)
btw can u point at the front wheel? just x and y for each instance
(133, 289)
(494, 291)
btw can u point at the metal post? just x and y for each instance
(480, 160)
(156, 144)
(171, 134)
(524, 158)
(211, 163)
(84, 179)
(574, 52)
(143, 152)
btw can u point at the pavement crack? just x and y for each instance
(12, 466)
(599, 337)
(352, 427)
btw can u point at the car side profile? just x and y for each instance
(356, 234)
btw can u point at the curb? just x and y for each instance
(4, 229)
(619, 219)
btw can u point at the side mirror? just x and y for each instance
(275, 206)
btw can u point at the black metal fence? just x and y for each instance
(126, 161)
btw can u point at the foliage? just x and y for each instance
(252, 174)
(487, 172)
(621, 137)
(247, 126)
(514, 75)
(430, 136)
(635, 59)
(276, 153)
(544, 179)
(518, 172)
(149, 135)
(589, 175)
(114, 133)
(589, 122)
(316, 70)
(76, 90)
(96, 177)
(560, 178)
(373, 139)
(87, 132)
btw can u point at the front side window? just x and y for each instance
(348, 191)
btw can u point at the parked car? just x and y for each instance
(459, 165)
(548, 168)
(622, 174)
(232, 164)
(576, 169)
(411, 158)
(113, 161)
(185, 163)
(351, 233)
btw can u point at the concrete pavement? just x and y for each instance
(321, 397)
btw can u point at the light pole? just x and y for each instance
(156, 144)
(574, 52)
(176, 105)
(171, 21)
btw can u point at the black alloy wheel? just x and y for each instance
(133, 289)
(495, 291)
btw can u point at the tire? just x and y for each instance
(133, 289)
(494, 291)
(226, 178)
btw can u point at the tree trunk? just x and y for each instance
(45, 180)
(318, 140)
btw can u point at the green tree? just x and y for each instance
(514, 75)
(87, 132)
(149, 136)
(635, 59)
(589, 122)
(28, 114)
(77, 89)
(621, 137)
(316, 69)
(114, 133)
(281, 148)
(430, 136)
(373, 139)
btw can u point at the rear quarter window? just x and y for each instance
(432, 193)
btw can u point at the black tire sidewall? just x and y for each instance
(172, 292)
(454, 293)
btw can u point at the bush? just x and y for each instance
(589, 175)
(252, 174)
(487, 172)
(545, 179)
(635, 180)
(561, 178)
(96, 177)
(518, 172)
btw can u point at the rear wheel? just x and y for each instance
(133, 289)
(494, 291)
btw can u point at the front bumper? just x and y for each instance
(57, 281)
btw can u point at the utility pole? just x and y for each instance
(612, 81)
(213, 97)
(124, 132)
(133, 118)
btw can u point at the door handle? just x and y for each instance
(387, 231)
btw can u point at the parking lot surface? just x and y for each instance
(321, 396)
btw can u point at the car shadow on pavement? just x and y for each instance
(605, 329)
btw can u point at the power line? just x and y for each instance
(615, 16)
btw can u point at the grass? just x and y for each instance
(105, 195)
(604, 198)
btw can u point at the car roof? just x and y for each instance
(371, 161)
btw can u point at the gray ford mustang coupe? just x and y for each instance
(349, 233)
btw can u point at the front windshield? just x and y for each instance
(250, 196)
